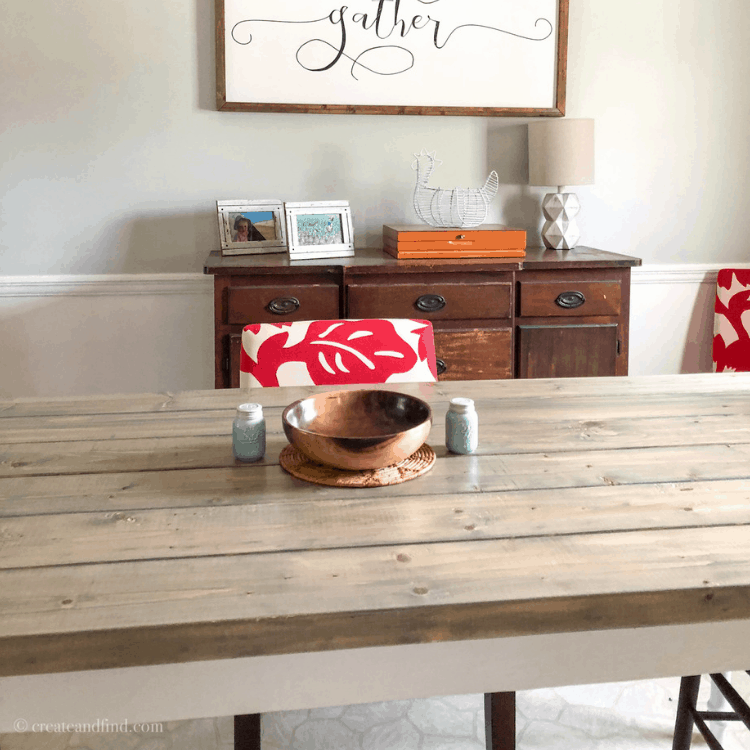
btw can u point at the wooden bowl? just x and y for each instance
(355, 430)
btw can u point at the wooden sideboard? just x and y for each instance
(553, 314)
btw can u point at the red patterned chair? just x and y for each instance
(350, 352)
(331, 352)
(337, 352)
(731, 353)
(731, 345)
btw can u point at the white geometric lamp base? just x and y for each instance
(560, 231)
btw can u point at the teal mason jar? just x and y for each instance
(249, 433)
(461, 426)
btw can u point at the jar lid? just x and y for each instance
(249, 410)
(461, 404)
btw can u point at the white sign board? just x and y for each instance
(493, 57)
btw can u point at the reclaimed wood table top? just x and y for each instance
(129, 536)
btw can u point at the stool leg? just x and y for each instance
(500, 720)
(247, 732)
(683, 727)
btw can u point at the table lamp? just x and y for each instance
(561, 152)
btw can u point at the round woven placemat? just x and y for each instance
(298, 465)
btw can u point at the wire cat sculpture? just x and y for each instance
(460, 207)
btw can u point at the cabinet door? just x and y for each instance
(481, 354)
(567, 351)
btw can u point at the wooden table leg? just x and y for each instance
(500, 720)
(247, 732)
(683, 726)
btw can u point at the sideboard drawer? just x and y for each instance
(276, 304)
(439, 300)
(542, 299)
(480, 354)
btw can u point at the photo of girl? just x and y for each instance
(245, 229)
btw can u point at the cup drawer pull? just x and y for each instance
(431, 302)
(570, 300)
(441, 366)
(283, 305)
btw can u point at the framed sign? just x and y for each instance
(412, 57)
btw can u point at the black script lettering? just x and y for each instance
(493, 28)
(362, 18)
(332, 16)
(382, 28)
(391, 52)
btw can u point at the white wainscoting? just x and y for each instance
(125, 333)
(74, 335)
(671, 318)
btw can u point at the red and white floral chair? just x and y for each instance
(337, 352)
(731, 353)
(348, 352)
(330, 352)
(731, 346)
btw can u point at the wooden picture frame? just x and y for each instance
(248, 227)
(410, 57)
(319, 229)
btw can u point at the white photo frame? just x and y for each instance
(248, 227)
(319, 229)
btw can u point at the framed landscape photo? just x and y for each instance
(413, 57)
(320, 229)
(249, 227)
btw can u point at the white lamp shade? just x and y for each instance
(561, 152)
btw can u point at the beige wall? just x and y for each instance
(113, 154)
